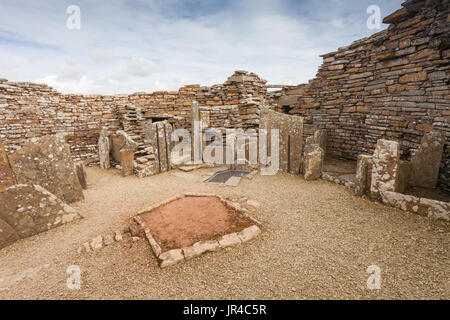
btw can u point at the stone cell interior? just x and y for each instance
(185, 221)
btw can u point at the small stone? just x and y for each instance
(249, 233)
(87, 247)
(170, 257)
(135, 231)
(97, 243)
(253, 203)
(118, 236)
(134, 239)
(108, 239)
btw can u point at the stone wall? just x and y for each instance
(393, 84)
(30, 110)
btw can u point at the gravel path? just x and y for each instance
(317, 242)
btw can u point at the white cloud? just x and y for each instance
(71, 70)
(141, 67)
(101, 55)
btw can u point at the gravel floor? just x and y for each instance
(317, 242)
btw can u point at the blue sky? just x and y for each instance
(125, 46)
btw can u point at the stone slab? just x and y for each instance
(233, 181)
(6, 174)
(313, 163)
(30, 209)
(47, 162)
(385, 168)
(426, 160)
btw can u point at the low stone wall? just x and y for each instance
(426, 207)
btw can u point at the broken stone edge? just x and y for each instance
(174, 256)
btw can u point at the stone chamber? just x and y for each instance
(375, 119)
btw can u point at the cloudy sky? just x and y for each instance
(125, 46)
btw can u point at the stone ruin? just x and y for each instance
(381, 102)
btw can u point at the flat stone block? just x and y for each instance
(249, 233)
(170, 257)
(229, 240)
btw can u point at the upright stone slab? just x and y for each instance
(81, 174)
(195, 119)
(314, 163)
(127, 162)
(122, 149)
(121, 140)
(47, 162)
(159, 134)
(426, 160)
(290, 138)
(320, 138)
(385, 168)
(363, 174)
(6, 175)
(30, 209)
(104, 149)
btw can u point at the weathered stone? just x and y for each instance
(97, 243)
(104, 149)
(404, 175)
(196, 153)
(6, 175)
(87, 247)
(229, 240)
(427, 207)
(81, 174)
(170, 258)
(108, 239)
(253, 203)
(385, 168)
(7, 234)
(30, 209)
(126, 162)
(314, 163)
(118, 236)
(199, 248)
(121, 141)
(233, 181)
(363, 174)
(159, 135)
(426, 161)
(320, 138)
(249, 233)
(290, 129)
(47, 162)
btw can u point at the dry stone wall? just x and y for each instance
(30, 110)
(392, 85)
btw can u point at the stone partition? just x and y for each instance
(290, 138)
